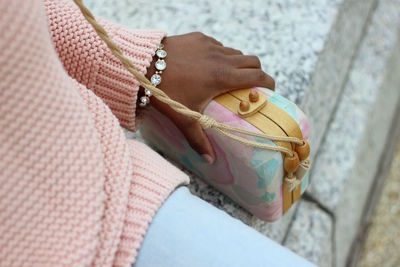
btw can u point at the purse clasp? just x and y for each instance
(251, 101)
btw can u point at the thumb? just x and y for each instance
(199, 141)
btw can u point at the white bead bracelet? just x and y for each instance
(155, 79)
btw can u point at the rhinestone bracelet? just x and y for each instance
(155, 79)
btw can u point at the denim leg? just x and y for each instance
(189, 232)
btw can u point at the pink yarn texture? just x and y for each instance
(73, 190)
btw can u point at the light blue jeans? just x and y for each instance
(189, 232)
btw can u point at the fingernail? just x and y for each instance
(207, 158)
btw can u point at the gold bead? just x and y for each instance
(244, 106)
(253, 96)
(291, 163)
(303, 150)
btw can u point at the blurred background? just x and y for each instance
(339, 60)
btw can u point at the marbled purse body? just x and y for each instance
(252, 177)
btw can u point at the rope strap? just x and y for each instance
(205, 121)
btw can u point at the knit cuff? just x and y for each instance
(113, 83)
(153, 181)
(87, 59)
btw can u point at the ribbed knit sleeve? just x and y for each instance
(88, 60)
(73, 190)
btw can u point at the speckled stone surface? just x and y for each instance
(307, 46)
(287, 35)
(338, 154)
(311, 234)
(297, 41)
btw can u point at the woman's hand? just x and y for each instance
(200, 68)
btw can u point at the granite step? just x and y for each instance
(311, 234)
(349, 158)
(306, 45)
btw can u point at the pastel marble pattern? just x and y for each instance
(252, 177)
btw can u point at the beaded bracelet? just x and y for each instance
(155, 79)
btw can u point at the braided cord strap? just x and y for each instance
(205, 121)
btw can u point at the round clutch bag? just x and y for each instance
(252, 177)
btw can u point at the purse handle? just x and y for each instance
(205, 121)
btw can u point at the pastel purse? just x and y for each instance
(253, 177)
(260, 140)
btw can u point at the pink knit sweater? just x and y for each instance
(73, 190)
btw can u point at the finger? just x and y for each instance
(199, 142)
(245, 61)
(247, 78)
(230, 51)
